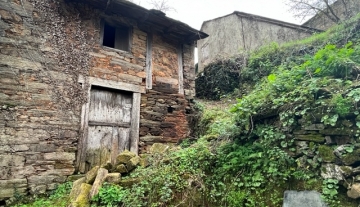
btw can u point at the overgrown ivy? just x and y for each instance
(218, 79)
(322, 82)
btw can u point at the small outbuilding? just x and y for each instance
(241, 32)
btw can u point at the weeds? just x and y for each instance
(58, 198)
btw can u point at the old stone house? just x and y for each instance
(343, 9)
(241, 32)
(83, 80)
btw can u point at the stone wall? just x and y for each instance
(44, 47)
(329, 150)
(238, 33)
(39, 123)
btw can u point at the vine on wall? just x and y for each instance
(66, 36)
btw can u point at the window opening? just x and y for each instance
(170, 109)
(109, 36)
(116, 37)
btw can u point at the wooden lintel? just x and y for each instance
(113, 84)
(95, 123)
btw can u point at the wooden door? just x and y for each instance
(109, 125)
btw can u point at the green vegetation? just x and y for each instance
(248, 155)
(58, 198)
(218, 79)
(326, 153)
(216, 173)
(306, 87)
(110, 195)
(330, 191)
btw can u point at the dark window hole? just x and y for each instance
(170, 109)
(116, 37)
(109, 36)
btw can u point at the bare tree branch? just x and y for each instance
(347, 11)
(329, 8)
(307, 8)
(161, 5)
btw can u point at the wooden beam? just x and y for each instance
(180, 68)
(149, 61)
(113, 84)
(135, 122)
(80, 157)
(95, 123)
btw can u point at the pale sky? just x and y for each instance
(194, 12)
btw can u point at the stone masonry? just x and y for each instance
(45, 45)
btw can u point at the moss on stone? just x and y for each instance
(351, 158)
(91, 175)
(132, 163)
(76, 188)
(129, 182)
(144, 161)
(347, 171)
(82, 199)
(337, 131)
(108, 166)
(326, 153)
(313, 184)
(124, 157)
(158, 148)
(113, 178)
(73, 178)
(318, 138)
(121, 169)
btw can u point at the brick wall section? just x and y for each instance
(165, 57)
(117, 65)
(44, 46)
(164, 117)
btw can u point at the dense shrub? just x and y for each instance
(218, 79)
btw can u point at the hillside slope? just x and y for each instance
(295, 127)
